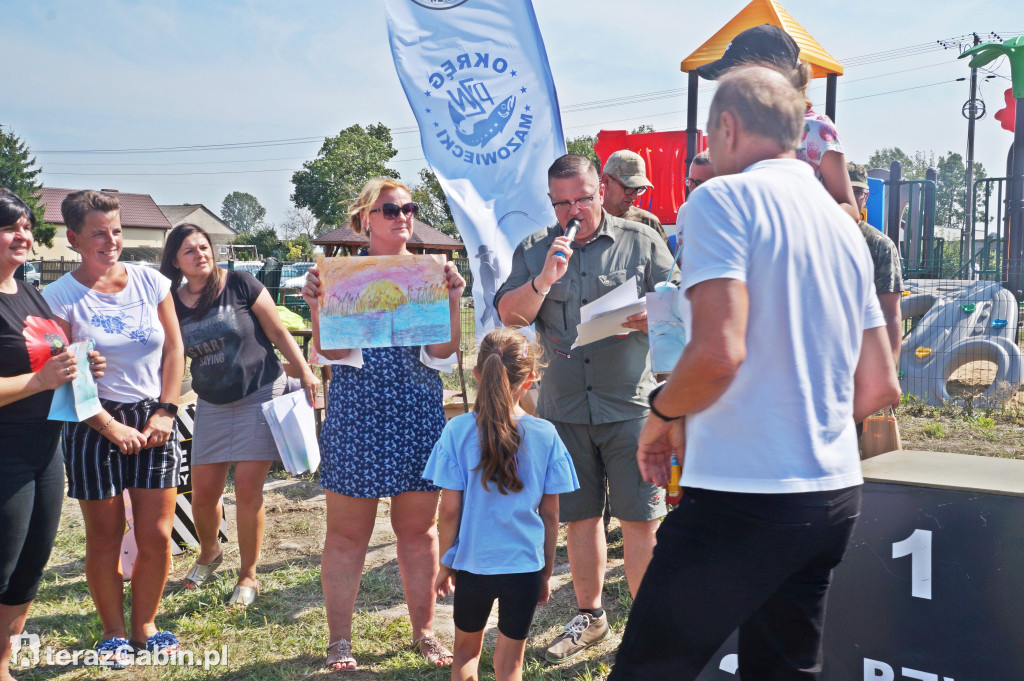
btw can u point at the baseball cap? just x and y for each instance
(858, 175)
(766, 44)
(628, 168)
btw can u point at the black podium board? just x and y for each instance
(932, 586)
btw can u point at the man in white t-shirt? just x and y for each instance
(788, 348)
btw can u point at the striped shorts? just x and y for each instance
(97, 469)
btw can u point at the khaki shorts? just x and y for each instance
(605, 460)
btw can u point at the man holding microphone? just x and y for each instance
(595, 395)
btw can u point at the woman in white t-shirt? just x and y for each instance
(129, 445)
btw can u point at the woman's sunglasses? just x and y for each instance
(391, 210)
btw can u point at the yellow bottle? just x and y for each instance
(673, 493)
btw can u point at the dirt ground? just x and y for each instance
(296, 513)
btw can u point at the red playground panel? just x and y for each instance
(664, 153)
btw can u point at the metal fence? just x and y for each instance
(983, 246)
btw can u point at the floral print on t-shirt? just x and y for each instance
(820, 135)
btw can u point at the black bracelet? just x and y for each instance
(534, 287)
(650, 402)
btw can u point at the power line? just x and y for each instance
(704, 108)
(194, 147)
(196, 172)
(853, 62)
(645, 116)
(189, 163)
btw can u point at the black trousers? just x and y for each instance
(31, 494)
(760, 562)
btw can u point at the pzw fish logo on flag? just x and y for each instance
(477, 79)
(475, 118)
(483, 130)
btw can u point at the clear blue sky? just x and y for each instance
(114, 75)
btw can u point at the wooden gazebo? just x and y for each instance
(758, 12)
(424, 239)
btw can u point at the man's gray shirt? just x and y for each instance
(608, 380)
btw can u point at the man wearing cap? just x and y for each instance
(594, 394)
(625, 179)
(886, 257)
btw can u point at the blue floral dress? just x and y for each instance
(382, 422)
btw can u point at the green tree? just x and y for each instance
(242, 211)
(265, 240)
(299, 248)
(328, 183)
(584, 146)
(434, 209)
(18, 174)
(301, 222)
(912, 168)
(950, 181)
(951, 189)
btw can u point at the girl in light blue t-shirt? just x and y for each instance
(501, 473)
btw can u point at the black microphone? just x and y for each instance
(570, 232)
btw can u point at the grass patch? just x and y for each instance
(284, 635)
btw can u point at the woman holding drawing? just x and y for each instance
(230, 326)
(384, 415)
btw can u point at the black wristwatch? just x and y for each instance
(170, 407)
(650, 402)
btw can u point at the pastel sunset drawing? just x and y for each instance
(383, 301)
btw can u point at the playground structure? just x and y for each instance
(959, 322)
(963, 287)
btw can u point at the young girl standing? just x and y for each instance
(500, 474)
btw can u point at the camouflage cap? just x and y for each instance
(858, 175)
(628, 168)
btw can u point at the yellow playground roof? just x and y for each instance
(765, 12)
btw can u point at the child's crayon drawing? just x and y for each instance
(383, 301)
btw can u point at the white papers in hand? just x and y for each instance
(605, 316)
(291, 422)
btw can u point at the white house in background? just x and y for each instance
(196, 213)
(143, 225)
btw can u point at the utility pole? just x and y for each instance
(973, 115)
(973, 110)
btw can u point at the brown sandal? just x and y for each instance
(432, 651)
(342, 655)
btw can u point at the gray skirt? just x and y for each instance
(236, 431)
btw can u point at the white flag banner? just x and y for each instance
(477, 78)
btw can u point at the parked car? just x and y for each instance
(33, 273)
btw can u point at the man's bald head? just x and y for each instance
(764, 103)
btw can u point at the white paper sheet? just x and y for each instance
(293, 426)
(605, 316)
